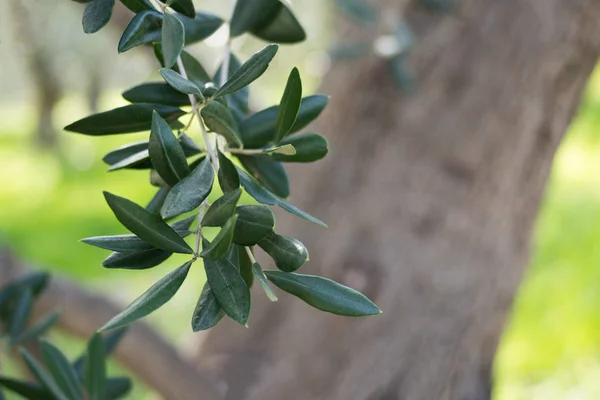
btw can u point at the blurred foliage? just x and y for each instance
(551, 349)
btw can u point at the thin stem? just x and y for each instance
(209, 147)
(225, 65)
(250, 255)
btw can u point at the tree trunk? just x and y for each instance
(430, 201)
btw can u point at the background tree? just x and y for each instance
(432, 197)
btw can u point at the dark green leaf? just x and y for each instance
(38, 329)
(268, 172)
(222, 209)
(124, 152)
(229, 179)
(185, 7)
(97, 13)
(228, 287)
(146, 225)
(324, 294)
(157, 93)
(262, 195)
(180, 83)
(61, 370)
(195, 71)
(249, 71)
(254, 224)
(136, 156)
(245, 265)
(237, 101)
(157, 296)
(208, 311)
(94, 370)
(221, 243)
(144, 28)
(136, 260)
(282, 27)
(138, 5)
(259, 129)
(117, 388)
(36, 282)
(289, 106)
(28, 390)
(309, 147)
(218, 119)
(140, 160)
(132, 243)
(158, 200)
(262, 279)
(127, 119)
(173, 39)
(250, 14)
(111, 342)
(200, 27)
(166, 152)
(42, 375)
(21, 314)
(190, 192)
(288, 253)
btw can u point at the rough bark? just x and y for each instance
(430, 201)
(143, 351)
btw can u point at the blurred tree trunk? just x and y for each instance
(430, 199)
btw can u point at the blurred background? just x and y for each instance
(51, 74)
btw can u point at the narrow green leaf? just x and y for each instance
(136, 155)
(262, 279)
(97, 13)
(180, 83)
(61, 370)
(219, 119)
(140, 160)
(262, 195)
(259, 129)
(190, 192)
(208, 311)
(245, 265)
(222, 209)
(38, 329)
(288, 253)
(173, 39)
(250, 14)
(136, 260)
(289, 106)
(146, 225)
(132, 243)
(111, 342)
(21, 314)
(285, 149)
(158, 200)
(309, 147)
(125, 151)
(249, 71)
(42, 375)
(282, 27)
(144, 28)
(138, 6)
(195, 71)
(127, 119)
(200, 26)
(271, 174)
(157, 296)
(166, 152)
(254, 224)
(28, 390)
(118, 388)
(157, 93)
(229, 179)
(229, 288)
(94, 370)
(239, 99)
(185, 7)
(221, 243)
(324, 294)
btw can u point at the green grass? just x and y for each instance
(551, 349)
